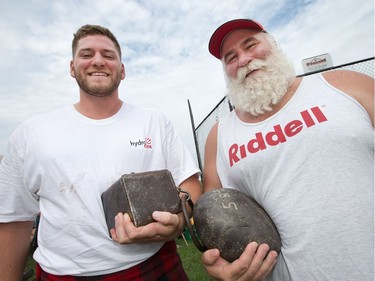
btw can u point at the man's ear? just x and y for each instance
(72, 72)
(123, 72)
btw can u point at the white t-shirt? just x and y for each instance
(68, 160)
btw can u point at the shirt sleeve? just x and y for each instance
(18, 203)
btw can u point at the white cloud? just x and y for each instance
(164, 49)
(341, 28)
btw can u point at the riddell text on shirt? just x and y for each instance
(276, 136)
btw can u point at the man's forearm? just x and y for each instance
(14, 247)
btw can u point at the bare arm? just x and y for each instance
(210, 176)
(194, 187)
(357, 85)
(14, 247)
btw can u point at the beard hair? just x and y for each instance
(99, 90)
(259, 92)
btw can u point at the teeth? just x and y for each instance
(98, 74)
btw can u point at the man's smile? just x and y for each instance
(98, 74)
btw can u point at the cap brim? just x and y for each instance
(214, 46)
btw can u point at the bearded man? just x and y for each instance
(303, 149)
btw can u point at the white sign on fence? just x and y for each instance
(317, 63)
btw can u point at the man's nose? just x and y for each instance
(98, 60)
(244, 58)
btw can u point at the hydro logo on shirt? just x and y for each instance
(142, 143)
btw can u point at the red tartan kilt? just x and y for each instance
(165, 265)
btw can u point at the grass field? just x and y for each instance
(190, 256)
(191, 260)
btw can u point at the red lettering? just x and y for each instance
(307, 118)
(256, 144)
(233, 158)
(293, 128)
(318, 114)
(278, 133)
(275, 137)
(242, 151)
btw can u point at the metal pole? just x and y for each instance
(195, 140)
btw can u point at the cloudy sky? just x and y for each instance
(164, 46)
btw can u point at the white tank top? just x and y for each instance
(311, 166)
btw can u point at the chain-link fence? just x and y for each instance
(365, 66)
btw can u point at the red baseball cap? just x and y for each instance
(217, 38)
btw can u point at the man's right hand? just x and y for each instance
(253, 265)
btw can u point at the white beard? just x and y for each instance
(264, 88)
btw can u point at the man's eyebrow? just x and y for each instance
(91, 49)
(243, 43)
(85, 49)
(248, 40)
(227, 54)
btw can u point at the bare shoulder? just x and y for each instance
(211, 143)
(351, 82)
(213, 131)
(357, 85)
